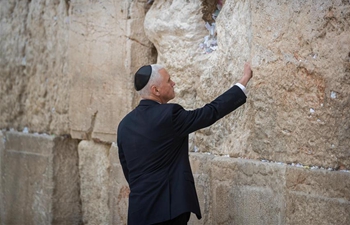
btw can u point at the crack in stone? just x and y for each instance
(88, 133)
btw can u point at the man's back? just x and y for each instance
(153, 150)
(156, 164)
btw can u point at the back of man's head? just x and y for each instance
(154, 79)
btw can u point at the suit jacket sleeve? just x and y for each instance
(186, 122)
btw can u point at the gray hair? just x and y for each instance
(154, 79)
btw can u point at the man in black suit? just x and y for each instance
(153, 147)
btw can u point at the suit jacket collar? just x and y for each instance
(148, 102)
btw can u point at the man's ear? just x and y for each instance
(155, 90)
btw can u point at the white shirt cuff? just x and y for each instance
(242, 88)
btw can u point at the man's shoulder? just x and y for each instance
(125, 118)
(159, 108)
(172, 105)
(164, 106)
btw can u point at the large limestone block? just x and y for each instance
(317, 197)
(243, 191)
(39, 180)
(298, 101)
(106, 46)
(118, 189)
(94, 169)
(34, 82)
(300, 95)
(316, 210)
(247, 192)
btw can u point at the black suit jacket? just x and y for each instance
(153, 150)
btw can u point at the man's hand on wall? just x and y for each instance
(247, 75)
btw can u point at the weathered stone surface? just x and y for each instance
(314, 210)
(300, 97)
(34, 83)
(315, 197)
(297, 109)
(106, 46)
(250, 192)
(329, 184)
(66, 206)
(40, 180)
(118, 189)
(94, 170)
(2, 149)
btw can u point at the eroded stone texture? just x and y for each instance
(94, 170)
(298, 101)
(39, 179)
(118, 189)
(34, 83)
(66, 205)
(2, 149)
(106, 46)
(307, 209)
(250, 192)
(247, 188)
(317, 197)
(300, 96)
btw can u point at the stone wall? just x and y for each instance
(298, 104)
(234, 191)
(94, 182)
(111, 47)
(34, 82)
(66, 81)
(39, 180)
